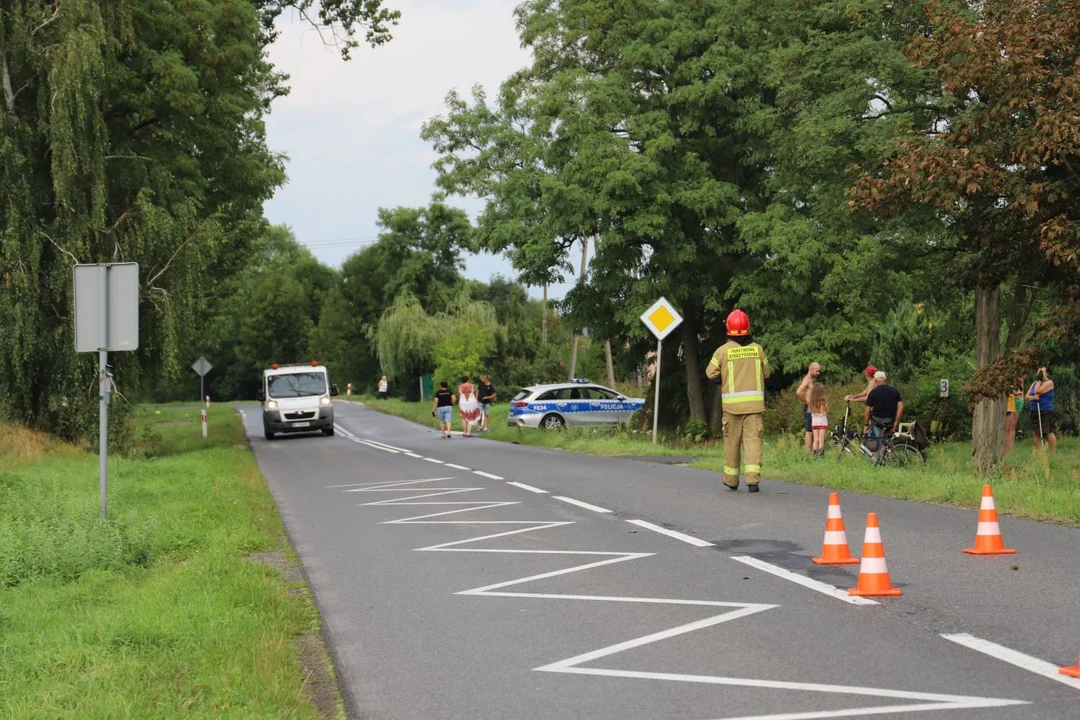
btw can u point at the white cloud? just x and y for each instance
(351, 130)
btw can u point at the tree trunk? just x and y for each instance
(716, 410)
(584, 262)
(543, 315)
(695, 378)
(610, 364)
(1019, 311)
(988, 427)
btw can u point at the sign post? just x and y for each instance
(201, 367)
(106, 318)
(661, 318)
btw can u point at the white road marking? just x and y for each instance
(523, 486)
(382, 444)
(457, 467)
(481, 473)
(587, 506)
(413, 455)
(671, 533)
(731, 611)
(817, 585)
(433, 460)
(1019, 659)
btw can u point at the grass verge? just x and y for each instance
(1030, 484)
(167, 608)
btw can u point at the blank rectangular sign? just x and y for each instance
(123, 307)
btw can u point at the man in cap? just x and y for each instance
(739, 365)
(884, 406)
(868, 375)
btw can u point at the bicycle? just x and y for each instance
(895, 449)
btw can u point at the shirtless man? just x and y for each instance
(870, 385)
(802, 393)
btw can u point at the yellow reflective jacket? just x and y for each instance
(742, 370)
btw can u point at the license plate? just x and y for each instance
(301, 424)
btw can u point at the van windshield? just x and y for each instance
(296, 385)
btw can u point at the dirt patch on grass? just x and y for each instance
(277, 560)
(320, 685)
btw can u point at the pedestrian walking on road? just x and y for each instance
(802, 393)
(741, 368)
(1043, 418)
(819, 414)
(468, 406)
(443, 404)
(486, 395)
(384, 388)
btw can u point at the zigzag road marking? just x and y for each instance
(574, 665)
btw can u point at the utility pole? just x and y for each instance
(584, 260)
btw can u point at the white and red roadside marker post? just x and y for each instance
(204, 422)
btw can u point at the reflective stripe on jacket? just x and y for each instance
(742, 370)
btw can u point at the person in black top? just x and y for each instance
(443, 403)
(486, 394)
(884, 407)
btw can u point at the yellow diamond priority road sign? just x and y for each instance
(661, 318)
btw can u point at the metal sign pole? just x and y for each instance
(656, 398)
(103, 399)
(202, 393)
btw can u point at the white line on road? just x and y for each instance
(587, 506)
(413, 455)
(433, 460)
(382, 444)
(817, 585)
(457, 467)
(1019, 659)
(388, 483)
(671, 533)
(523, 486)
(374, 445)
(481, 473)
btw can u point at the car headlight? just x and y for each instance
(271, 405)
(324, 401)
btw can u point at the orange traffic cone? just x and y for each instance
(1072, 671)
(834, 550)
(988, 537)
(873, 574)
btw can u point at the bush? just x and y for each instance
(695, 431)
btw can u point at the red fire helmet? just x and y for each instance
(738, 323)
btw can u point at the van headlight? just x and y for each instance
(271, 405)
(324, 401)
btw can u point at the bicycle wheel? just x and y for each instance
(903, 455)
(836, 451)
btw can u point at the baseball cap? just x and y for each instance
(870, 370)
(879, 375)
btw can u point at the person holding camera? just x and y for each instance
(1043, 419)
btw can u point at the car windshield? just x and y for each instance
(522, 394)
(296, 385)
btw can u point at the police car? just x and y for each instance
(578, 402)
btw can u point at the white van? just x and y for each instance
(296, 398)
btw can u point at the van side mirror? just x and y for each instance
(334, 392)
(260, 394)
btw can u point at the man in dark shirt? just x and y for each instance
(884, 407)
(486, 395)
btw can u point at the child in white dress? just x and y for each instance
(819, 414)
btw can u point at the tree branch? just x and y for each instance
(48, 21)
(57, 246)
(159, 273)
(9, 96)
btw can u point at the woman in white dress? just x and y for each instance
(468, 406)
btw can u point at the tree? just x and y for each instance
(132, 129)
(468, 333)
(999, 164)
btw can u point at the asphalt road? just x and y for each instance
(473, 579)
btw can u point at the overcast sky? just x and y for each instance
(351, 130)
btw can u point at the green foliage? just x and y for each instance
(467, 332)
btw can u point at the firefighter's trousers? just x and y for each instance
(742, 432)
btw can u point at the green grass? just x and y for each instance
(1030, 484)
(157, 611)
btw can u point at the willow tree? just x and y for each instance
(130, 130)
(406, 338)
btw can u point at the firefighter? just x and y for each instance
(740, 367)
